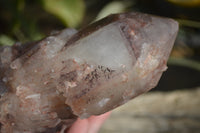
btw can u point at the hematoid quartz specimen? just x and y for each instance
(46, 85)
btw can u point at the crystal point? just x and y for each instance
(74, 74)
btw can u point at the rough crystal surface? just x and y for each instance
(46, 85)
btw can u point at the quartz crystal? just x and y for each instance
(46, 85)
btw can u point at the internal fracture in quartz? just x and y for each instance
(46, 85)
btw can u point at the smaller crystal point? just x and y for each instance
(46, 85)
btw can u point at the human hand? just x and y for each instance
(90, 125)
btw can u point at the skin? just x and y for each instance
(90, 125)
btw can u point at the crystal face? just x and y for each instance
(46, 85)
(105, 41)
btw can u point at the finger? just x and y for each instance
(80, 126)
(95, 122)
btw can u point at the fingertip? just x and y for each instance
(80, 126)
(90, 125)
(95, 122)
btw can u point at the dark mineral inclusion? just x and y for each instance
(46, 85)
